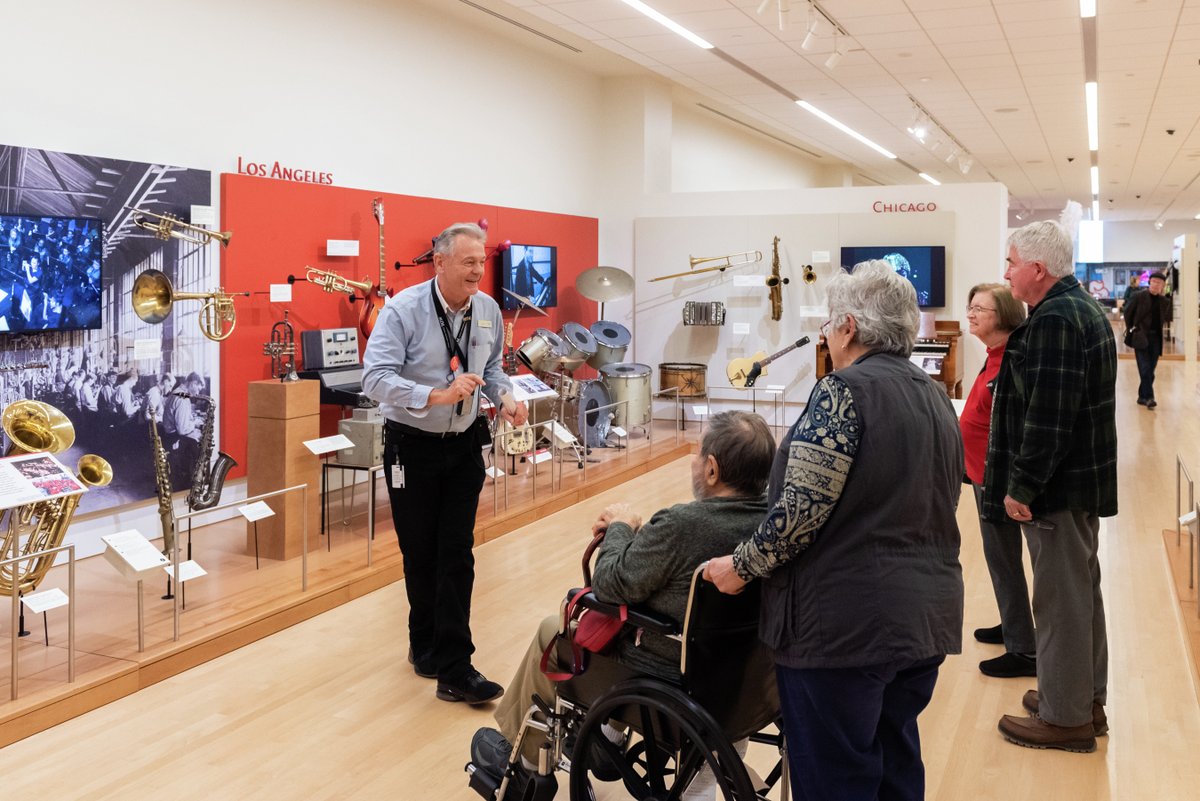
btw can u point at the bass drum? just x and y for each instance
(542, 351)
(578, 346)
(584, 418)
(612, 342)
(628, 382)
(687, 376)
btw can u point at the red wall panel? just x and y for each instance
(280, 226)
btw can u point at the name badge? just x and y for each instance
(397, 476)
(485, 323)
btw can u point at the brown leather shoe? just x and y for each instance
(1099, 719)
(1034, 732)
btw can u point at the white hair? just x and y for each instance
(1047, 242)
(446, 239)
(883, 304)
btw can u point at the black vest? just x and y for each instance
(881, 582)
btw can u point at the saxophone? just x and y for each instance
(207, 484)
(775, 284)
(162, 476)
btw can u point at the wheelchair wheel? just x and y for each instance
(672, 739)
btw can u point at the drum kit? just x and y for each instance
(585, 405)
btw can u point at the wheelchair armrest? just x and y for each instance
(640, 617)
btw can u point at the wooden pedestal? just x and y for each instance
(283, 415)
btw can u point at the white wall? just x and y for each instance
(1137, 240)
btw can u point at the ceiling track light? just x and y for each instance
(929, 132)
(810, 38)
(840, 47)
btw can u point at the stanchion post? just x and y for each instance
(71, 614)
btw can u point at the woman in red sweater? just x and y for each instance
(992, 314)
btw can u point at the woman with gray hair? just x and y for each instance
(863, 594)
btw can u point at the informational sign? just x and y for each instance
(741, 329)
(187, 571)
(147, 349)
(131, 553)
(203, 215)
(46, 599)
(528, 387)
(341, 247)
(702, 411)
(256, 511)
(281, 293)
(749, 280)
(329, 444)
(33, 477)
(618, 431)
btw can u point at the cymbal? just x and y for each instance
(526, 301)
(604, 283)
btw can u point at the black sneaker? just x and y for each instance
(1150, 404)
(1009, 666)
(421, 667)
(1142, 401)
(992, 636)
(473, 688)
(490, 751)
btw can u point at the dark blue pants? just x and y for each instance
(1147, 361)
(852, 732)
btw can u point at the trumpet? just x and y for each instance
(153, 297)
(169, 226)
(332, 282)
(732, 260)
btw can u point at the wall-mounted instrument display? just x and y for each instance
(332, 282)
(33, 426)
(775, 283)
(168, 226)
(722, 264)
(373, 300)
(282, 350)
(153, 295)
(207, 483)
(701, 312)
(746, 371)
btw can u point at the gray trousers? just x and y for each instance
(1002, 550)
(1072, 644)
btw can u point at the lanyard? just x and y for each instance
(453, 348)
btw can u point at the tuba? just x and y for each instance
(34, 427)
(207, 484)
(153, 296)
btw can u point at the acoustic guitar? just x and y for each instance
(745, 371)
(376, 296)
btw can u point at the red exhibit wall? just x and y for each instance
(279, 227)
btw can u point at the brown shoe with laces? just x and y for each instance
(1034, 732)
(1099, 719)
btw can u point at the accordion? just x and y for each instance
(704, 313)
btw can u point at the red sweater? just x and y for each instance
(976, 418)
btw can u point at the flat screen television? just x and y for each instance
(530, 271)
(923, 266)
(50, 270)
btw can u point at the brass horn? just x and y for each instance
(332, 282)
(153, 296)
(810, 275)
(732, 260)
(169, 226)
(35, 427)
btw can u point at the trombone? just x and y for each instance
(732, 260)
(153, 296)
(169, 226)
(332, 282)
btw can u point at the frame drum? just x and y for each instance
(628, 381)
(689, 377)
(583, 416)
(541, 351)
(612, 341)
(578, 346)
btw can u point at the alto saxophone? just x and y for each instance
(162, 476)
(207, 484)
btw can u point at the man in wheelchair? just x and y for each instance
(650, 567)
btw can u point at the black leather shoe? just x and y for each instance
(1009, 666)
(421, 667)
(1142, 401)
(472, 688)
(1150, 404)
(991, 636)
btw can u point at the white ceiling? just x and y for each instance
(1003, 77)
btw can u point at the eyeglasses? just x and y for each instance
(978, 309)
(825, 328)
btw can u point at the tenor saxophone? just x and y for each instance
(162, 477)
(207, 483)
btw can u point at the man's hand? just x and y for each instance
(1017, 510)
(517, 417)
(720, 572)
(617, 513)
(462, 388)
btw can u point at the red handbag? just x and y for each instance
(594, 632)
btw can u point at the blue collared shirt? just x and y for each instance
(406, 358)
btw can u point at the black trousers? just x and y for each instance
(1147, 362)
(434, 515)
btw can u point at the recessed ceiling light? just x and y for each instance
(1121, 125)
(1035, 161)
(904, 55)
(1005, 110)
(925, 79)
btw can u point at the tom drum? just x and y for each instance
(628, 381)
(579, 346)
(612, 342)
(542, 351)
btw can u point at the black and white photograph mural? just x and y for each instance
(70, 250)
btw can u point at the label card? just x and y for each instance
(542, 456)
(749, 280)
(256, 511)
(187, 571)
(131, 553)
(341, 247)
(820, 257)
(281, 293)
(700, 410)
(495, 472)
(741, 329)
(203, 215)
(324, 445)
(147, 349)
(620, 432)
(775, 387)
(46, 599)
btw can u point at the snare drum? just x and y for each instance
(689, 377)
(628, 382)
(612, 341)
(579, 346)
(542, 351)
(563, 384)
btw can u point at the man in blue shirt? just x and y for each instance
(434, 347)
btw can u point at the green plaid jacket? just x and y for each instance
(1053, 440)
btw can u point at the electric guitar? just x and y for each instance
(376, 296)
(509, 361)
(512, 441)
(745, 371)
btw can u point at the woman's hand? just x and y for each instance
(720, 572)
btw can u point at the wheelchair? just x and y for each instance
(726, 693)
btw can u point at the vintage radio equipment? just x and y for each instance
(330, 347)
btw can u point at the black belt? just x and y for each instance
(410, 431)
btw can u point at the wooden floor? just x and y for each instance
(329, 709)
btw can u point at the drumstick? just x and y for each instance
(506, 400)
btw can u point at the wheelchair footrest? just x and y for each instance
(522, 785)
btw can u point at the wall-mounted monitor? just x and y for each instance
(923, 265)
(532, 272)
(50, 270)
